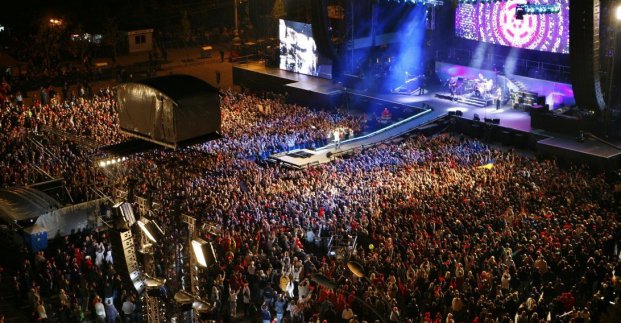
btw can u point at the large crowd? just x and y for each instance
(440, 239)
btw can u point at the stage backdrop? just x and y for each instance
(556, 94)
(495, 23)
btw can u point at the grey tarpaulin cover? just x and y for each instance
(25, 203)
(169, 109)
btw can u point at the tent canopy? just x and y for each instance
(169, 110)
(25, 203)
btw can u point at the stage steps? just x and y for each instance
(518, 84)
(476, 102)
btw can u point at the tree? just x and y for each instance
(186, 30)
(111, 36)
(49, 38)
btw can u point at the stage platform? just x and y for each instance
(465, 99)
(592, 151)
(302, 158)
(302, 89)
(514, 126)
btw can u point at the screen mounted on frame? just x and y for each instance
(496, 23)
(298, 51)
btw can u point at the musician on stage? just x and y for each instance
(498, 97)
(422, 84)
(452, 84)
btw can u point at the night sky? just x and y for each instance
(91, 15)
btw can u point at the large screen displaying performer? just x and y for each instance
(496, 23)
(298, 51)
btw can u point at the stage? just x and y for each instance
(513, 126)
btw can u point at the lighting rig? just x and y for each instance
(203, 255)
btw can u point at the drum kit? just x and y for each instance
(479, 87)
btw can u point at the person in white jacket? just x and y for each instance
(100, 310)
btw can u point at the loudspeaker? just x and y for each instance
(487, 120)
(125, 260)
(322, 34)
(584, 51)
(451, 113)
(496, 121)
(459, 113)
(541, 100)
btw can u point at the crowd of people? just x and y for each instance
(256, 127)
(76, 281)
(439, 238)
(55, 137)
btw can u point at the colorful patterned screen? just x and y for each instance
(496, 23)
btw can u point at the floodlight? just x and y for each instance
(153, 282)
(124, 210)
(202, 307)
(204, 252)
(323, 281)
(150, 229)
(183, 297)
(154, 285)
(356, 268)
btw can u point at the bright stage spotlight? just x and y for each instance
(154, 286)
(356, 268)
(618, 13)
(202, 307)
(150, 229)
(204, 252)
(184, 301)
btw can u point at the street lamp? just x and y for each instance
(56, 22)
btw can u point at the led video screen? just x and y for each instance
(496, 23)
(298, 51)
